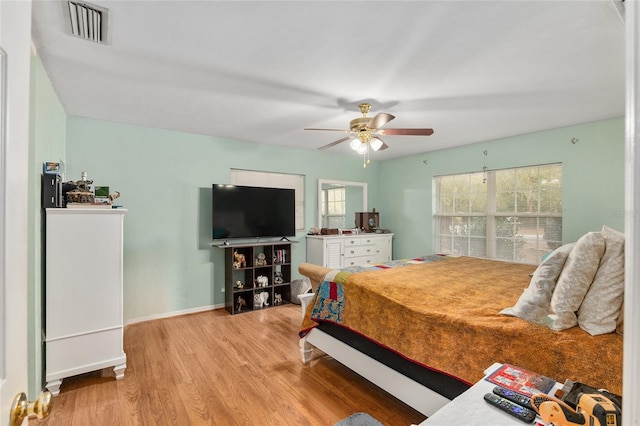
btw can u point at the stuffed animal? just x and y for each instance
(265, 297)
(239, 260)
(240, 303)
(260, 299)
(261, 281)
(261, 260)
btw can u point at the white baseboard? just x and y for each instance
(174, 314)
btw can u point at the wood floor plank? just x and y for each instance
(212, 368)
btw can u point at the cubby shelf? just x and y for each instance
(257, 276)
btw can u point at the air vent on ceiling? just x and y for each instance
(88, 21)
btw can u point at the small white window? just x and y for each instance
(334, 208)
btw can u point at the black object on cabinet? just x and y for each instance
(51, 191)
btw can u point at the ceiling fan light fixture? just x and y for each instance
(363, 132)
(376, 143)
(357, 145)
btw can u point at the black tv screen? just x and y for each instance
(252, 212)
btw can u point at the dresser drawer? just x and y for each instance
(359, 260)
(352, 242)
(340, 251)
(356, 251)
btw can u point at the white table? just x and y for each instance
(470, 408)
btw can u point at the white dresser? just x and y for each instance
(84, 270)
(340, 251)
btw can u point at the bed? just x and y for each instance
(444, 319)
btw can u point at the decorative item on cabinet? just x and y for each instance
(261, 281)
(240, 303)
(240, 261)
(261, 260)
(368, 221)
(260, 299)
(329, 231)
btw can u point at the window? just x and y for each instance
(334, 208)
(509, 214)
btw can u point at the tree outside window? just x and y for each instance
(510, 214)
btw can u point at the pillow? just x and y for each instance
(533, 304)
(601, 306)
(574, 281)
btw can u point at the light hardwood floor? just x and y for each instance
(213, 368)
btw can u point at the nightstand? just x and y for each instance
(470, 408)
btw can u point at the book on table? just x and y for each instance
(519, 380)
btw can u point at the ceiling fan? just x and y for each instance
(364, 132)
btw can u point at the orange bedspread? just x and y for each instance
(446, 315)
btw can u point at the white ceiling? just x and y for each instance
(262, 71)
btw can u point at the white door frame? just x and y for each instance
(631, 362)
(15, 39)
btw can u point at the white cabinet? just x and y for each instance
(84, 270)
(340, 251)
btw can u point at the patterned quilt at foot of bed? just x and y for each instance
(328, 302)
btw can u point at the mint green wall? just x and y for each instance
(47, 123)
(593, 180)
(354, 200)
(165, 179)
(165, 176)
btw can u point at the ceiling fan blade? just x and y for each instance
(329, 145)
(411, 132)
(384, 146)
(380, 120)
(331, 130)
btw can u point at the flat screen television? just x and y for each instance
(252, 212)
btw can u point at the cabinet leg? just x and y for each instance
(119, 370)
(54, 387)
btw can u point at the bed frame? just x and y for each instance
(412, 393)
